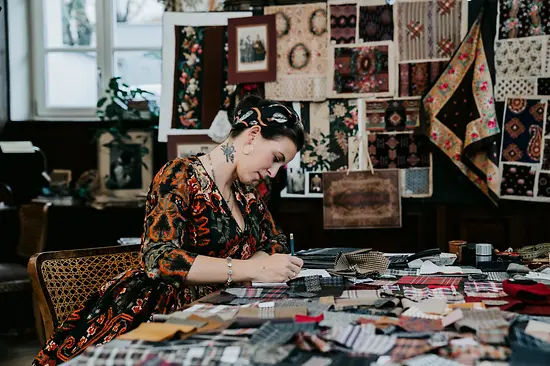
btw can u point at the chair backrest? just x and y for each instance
(33, 228)
(64, 280)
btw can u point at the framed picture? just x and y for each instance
(252, 52)
(362, 200)
(125, 170)
(185, 60)
(183, 146)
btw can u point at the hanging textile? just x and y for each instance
(459, 114)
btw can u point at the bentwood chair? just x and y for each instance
(64, 280)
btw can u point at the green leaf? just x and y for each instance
(111, 111)
(101, 101)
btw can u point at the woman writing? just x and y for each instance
(204, 229)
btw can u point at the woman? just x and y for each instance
(203, 229)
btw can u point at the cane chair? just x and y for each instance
(64, 280)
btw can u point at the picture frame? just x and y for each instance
(170, 23)
(252, 51)
(123, 170)
(182, 146)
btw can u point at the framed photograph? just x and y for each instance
(315, 182)
(362, 200)
(183, 146)
(252, 50)
(125, 170)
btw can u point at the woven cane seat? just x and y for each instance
(64, 280)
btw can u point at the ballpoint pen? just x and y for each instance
(291, 244)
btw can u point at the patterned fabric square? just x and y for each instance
(522, 136)
(429, 280)
(361, 70)
(397, 151)
(376, 23)
(357, 338)
(497, 276)
(428, 29)
(482, 286)
(546, 155)
(408, 348)
(544, 185)
(334, 319)
(505, 88)
(413, 324)
(518, 58)
(520, 19)
(394, 115)
(430, 360)
(362, 261)
(517, 180)
(302, 51)
(543, 86)
(343, 23)
(343, 122)
(417, 182)
(279, 333)
(482, 319)
(416, 78)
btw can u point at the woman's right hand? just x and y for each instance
(276, 268)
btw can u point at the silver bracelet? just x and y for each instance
(229, 271)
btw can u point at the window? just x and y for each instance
(78, 45)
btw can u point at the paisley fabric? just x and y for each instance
(185, 216)
(460, 115)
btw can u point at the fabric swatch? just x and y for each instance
(546, 155)
(482, 286)
(302, 50)
(392, 115)
(343, 23)
(279, 333)
(505, 88)
(428, 29)
(408, 348)
(376, 23)
(361, 71)
(429, 280)
(517, 180)
(364, 262)
(358, 339)
(543, 86)
(390, 151)
(518, 58)
(343, 122)
(416, 182)
(544, 185)
(522, 137)
(416, 77)
(518, 19)
(430, 360)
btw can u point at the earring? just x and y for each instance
(248, 148)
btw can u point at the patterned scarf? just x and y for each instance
(267, 115)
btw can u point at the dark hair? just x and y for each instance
(294, 130)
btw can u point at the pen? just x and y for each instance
(291, 244)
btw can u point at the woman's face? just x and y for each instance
(265, 159)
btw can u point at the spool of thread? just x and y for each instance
(455, 247)
(484, 253)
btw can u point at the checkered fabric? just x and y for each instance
(314, 308)
(451, 295)
(177, 353)
(482, 286)
(317, 286)
(445, 6)
(361, 340)
(497, 276)
(415, 29)
(225, 312)
(364, 262)
(278, 292)
(482, 319)
(430, 360)
(391, 288)
(408, 348)
(280, 333)
(429, 280)
(492, 295)
(401, 272)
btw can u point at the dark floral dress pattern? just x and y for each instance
(185, 216)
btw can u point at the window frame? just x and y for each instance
(105, 50)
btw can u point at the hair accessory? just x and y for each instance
(265, 115)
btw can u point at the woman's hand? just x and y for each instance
(276, 268)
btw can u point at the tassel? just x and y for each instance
(220, 128)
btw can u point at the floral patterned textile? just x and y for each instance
(523, 18)
(343, 123)
(185, 216)
(302, 50)
(460, 115)
(362, 71)
(518, 180)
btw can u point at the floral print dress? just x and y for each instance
(185, 216)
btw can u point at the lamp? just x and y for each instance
(25, 147)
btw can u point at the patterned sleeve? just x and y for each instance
(163, 238)
(272, 240)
